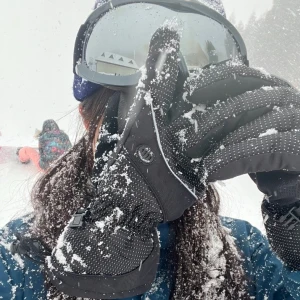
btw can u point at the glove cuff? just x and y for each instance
(129, 284)
(282, 225)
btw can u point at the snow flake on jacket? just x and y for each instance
(268, 278)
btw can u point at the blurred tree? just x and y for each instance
(273, 42)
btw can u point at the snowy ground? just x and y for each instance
(240, 197)
(16, 181)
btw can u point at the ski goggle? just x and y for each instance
(113, 44)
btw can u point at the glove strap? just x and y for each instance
(291, 219)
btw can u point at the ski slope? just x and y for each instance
(16, 180)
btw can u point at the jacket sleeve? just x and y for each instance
(20, 278)
(268, 277)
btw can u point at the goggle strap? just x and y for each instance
(78, 48)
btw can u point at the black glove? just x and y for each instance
(234, 136)
(111, 250)
(282, 223)
(281, 213)
(280, 187)
(158, 169)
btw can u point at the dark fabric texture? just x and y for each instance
(232, 133)
(269, 278)
(282, 224)
(32, 248)
(280, 187)
(118, 235)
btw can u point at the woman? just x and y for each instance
(199, 258)
(53, 143)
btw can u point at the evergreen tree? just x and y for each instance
(273, 42)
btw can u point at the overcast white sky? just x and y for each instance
(243, 9)
(37, 39)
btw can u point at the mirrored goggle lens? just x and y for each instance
(118, 43)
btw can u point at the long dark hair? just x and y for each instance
(208, 263)
(66, 186)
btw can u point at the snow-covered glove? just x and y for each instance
(242, 121)
(160, 165)
(275, 137)
(111, 249)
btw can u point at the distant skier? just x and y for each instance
(53, 143)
